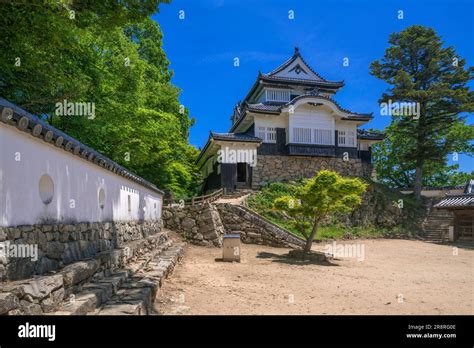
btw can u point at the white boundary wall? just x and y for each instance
(24, 159)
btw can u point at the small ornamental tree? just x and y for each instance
(320, 196)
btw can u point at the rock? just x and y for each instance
(13, 233)
(20, 268)
(3, 235)
(8, 302)
(180, 214)
(166, 214)
(39, 288)
(209, 227)
(72, 252)
(3, 273)
(54, 250)
(210, 235)
(188, 223)
(45, 265)
(199, 236)
(29, 308)
(47, 228)
(53, 301)
(79, 271)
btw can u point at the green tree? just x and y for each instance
(109, 53)
(320, 196)
(420, 70)
(396, 172)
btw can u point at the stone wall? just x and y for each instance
(69, 256)
(284, 168)
(200, 224)
(58, 245)
(254, 228)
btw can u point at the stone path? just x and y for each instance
(232, 200)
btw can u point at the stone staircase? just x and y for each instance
(436, 225)
(128, 291)
(122, 280)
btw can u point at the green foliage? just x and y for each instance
(367, 221)
(265, 201)
(419, 69)
(396, 171)
(326, 193)
(108, 53)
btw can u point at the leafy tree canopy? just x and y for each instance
(108, 53)
(320, 196)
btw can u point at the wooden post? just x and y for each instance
(192, 201)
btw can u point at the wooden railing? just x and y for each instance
(198, 199)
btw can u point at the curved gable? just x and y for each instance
(296, 69)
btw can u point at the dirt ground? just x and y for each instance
(395, 277)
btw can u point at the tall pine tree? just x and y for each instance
(420, 70)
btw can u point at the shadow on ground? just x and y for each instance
(291, 261)
(462, 245)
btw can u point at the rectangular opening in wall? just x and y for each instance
(129, 203)
(278, 95)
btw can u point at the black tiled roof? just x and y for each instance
(464, 200)
(51, 135)
(235, 137)
(368, 135)
(368, 116)
(277, 107)
(333, 84)
(297, 54)
(270, 78)
(270, 107)
(457, 201)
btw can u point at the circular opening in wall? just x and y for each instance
(46, 189)
(101, 198)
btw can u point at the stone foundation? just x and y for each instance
(200, 224)
(285, 168)
(59, 245)
(205, 224)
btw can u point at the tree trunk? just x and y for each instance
(309, 241)
(418, 180)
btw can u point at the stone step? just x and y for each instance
(103, 288)
(93, 294)
(137, 294)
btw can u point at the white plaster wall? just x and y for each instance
(275, 121)
(347, 126)
(307, 117)
(24, 159)
(236, 152)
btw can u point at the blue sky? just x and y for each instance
(202, 46)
